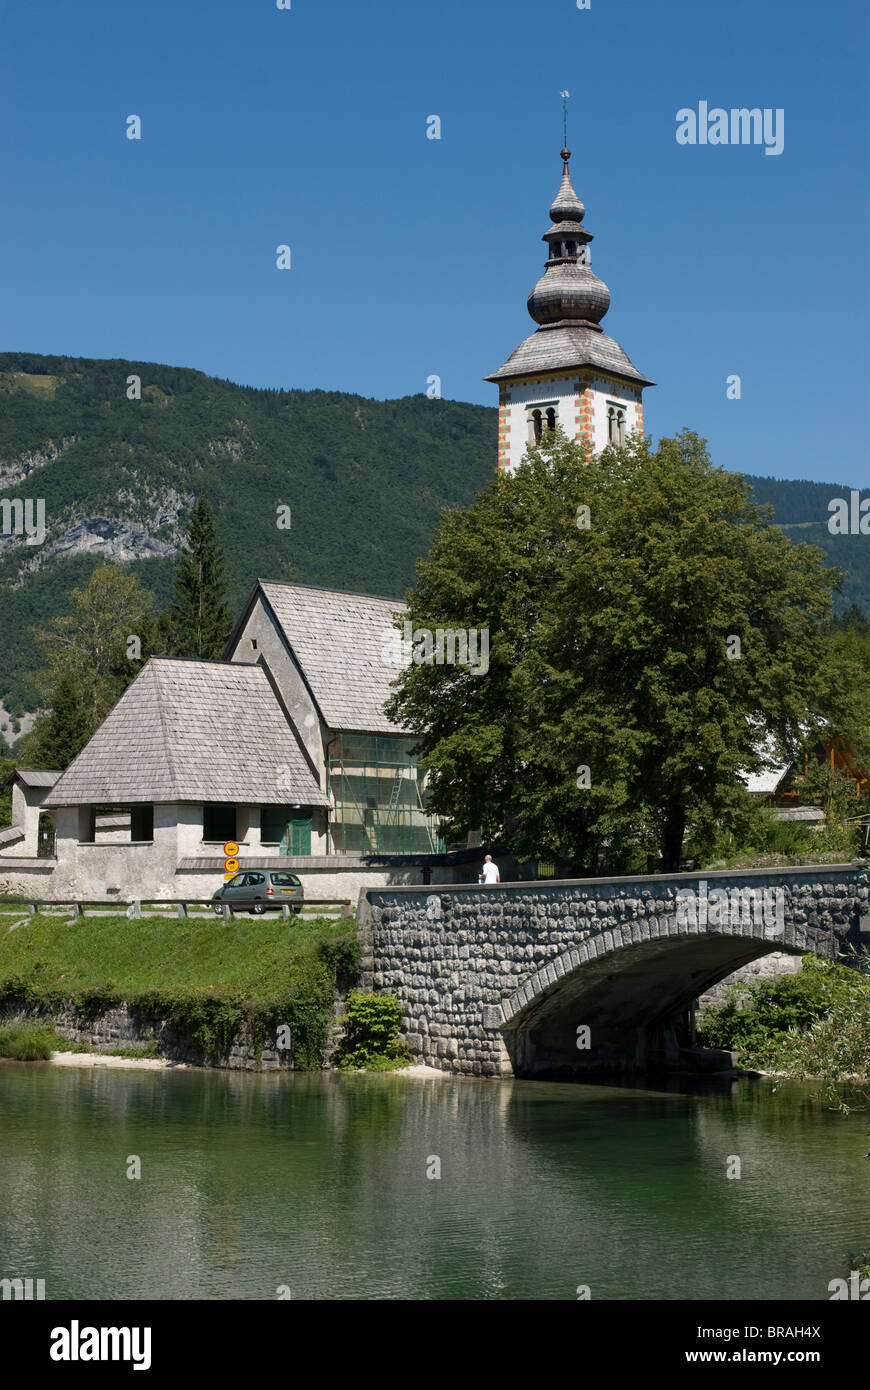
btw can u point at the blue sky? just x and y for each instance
(412, 256)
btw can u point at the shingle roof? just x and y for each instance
(339, 641)
(565, 346)
(36, 777)
(11, 834)
(191, 731)
(767, 782)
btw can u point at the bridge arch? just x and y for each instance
(497, 981)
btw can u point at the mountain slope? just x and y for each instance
(365, 481)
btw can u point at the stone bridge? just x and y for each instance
(504, 980)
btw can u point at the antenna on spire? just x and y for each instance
(564, 96)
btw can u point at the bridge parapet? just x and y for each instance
(494, 980)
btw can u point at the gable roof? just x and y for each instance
(191, 731)
(338, 640)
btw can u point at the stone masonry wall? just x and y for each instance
(464, 961)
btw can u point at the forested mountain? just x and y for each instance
(365, 482)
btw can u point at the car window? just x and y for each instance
(285, 880)
(256, 878)
(237, 881)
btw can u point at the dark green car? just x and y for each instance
(258, 890)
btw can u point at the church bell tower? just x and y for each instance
(568, 373)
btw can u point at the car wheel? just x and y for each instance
(297, 910)
(218, 909)
(259, 907)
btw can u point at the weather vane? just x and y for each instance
(564, 96)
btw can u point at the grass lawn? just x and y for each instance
(257, 959)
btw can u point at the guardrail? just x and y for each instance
(133, 907)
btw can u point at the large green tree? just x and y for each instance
(199, 623)
(646, 623)
(91, 653)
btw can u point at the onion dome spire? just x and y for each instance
(566, 206)
(568, 292)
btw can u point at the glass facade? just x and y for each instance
(379, 803)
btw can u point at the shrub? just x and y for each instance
(372, 1038)
(30, 1042)
(342, 957)
(815, 1023)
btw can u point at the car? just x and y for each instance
(258, 890)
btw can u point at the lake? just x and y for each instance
(325, 1186)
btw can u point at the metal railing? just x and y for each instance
(133, 907)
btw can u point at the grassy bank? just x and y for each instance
(207, 977)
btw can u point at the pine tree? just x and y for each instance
(61, 732)
(200, 617)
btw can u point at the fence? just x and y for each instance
(134, 908)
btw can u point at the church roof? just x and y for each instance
(191, 731)
(338, 640)
(566, 346)
(568, 302)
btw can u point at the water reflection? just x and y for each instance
(320, 1182)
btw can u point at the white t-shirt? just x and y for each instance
(490, 873)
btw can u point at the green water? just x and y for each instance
(319, 1183)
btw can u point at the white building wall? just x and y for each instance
(560, 391)
(581, 402)
(147, 871)
(603, 393)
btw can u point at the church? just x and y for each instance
(283, 746)
(568, 373)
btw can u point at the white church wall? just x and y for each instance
(604, 392)
(559, 391)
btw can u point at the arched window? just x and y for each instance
(535, 427)
(551, 417)
(615, 425)
(555, 250)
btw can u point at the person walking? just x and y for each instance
(489, 873)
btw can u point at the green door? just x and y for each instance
(297, 836)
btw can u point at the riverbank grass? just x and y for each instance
(207, 977)
(35, 1042)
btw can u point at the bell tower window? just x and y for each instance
(615, 424)
(541, 419)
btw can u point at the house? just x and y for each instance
(282, 747)
(777, 785)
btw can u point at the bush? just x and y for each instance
(342, 957)
(814, 1023)
(372, 1038)
(34, 1042)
